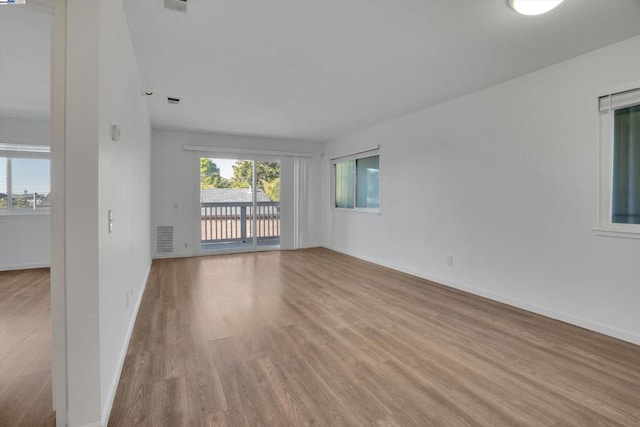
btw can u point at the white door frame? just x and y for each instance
(57, 212)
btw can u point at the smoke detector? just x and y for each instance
(176, 5)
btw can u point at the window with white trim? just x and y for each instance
(24, 179)
(620, 163)
(356, 181)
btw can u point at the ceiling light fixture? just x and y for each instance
(533, 7)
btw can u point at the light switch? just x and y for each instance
(110, 221)
(115, 133)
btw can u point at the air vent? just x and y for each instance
(173, 100)
(177, 5)
(164, 239)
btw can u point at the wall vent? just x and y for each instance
(177, 5)
(164, 239)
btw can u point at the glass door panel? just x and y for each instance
(268, 203)
(232, 215)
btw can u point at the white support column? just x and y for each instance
(58, 290)
(75, 257)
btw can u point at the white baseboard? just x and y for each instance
(123, 354)
(173, 255)
(621, 334)
(26, 266)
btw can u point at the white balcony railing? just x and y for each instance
(232, 222)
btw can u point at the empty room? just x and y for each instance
(320, 212)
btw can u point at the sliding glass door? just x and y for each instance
(239, 204)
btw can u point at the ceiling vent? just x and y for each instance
(171, 100)
(176, 5)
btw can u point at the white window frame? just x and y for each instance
(354, 157)
(20, 151)
(607, 105)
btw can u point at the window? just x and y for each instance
(24, 180)
(345, 183)
(620, 163)
(356, 181)
(626, 166)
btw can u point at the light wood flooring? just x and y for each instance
(313, 337)
(25, 349)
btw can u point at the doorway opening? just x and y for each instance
(239, 204)
(26, 297)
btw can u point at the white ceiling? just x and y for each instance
(314, 69)
(318, 69)
(25, 58)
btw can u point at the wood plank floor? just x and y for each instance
(25, 349)
(313, 337)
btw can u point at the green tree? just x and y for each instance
(272, 189)
(210, 175)
(267, 174)
(242, 171)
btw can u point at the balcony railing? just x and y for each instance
(232, 222)
(24, 201)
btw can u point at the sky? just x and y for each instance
(32, 175)
(225, 165)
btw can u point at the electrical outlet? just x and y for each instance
(449, 260)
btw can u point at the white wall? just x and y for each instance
(504, 180)
(99, 271)
(24, 131)
(25, 240)
(175, 186)
(124, 188)
(59, 344)
(80, 213)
